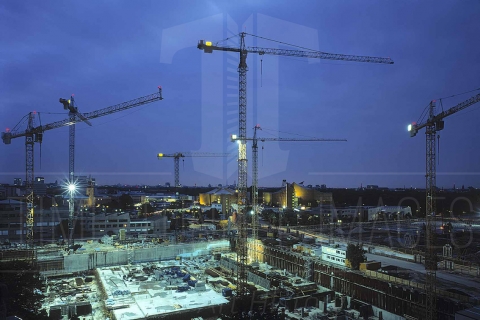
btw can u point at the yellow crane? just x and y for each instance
(176, 160)
(243, 50)
(255, 139)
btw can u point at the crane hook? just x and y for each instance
(261, 73)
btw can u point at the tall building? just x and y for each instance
(17, 182)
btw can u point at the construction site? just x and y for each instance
(290, 278)
(251, 270)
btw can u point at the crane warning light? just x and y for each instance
(233, 137)
(412, 128)
(160, 155)
(208, 43)
(159, 87)
(7, 129)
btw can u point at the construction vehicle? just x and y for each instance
(35, 134)
(176, 160)
(432, 125)
(243, 50)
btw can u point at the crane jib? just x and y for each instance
(8, 136)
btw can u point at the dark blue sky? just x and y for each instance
(107, 52)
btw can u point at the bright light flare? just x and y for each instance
(71, 187)
(409, 128)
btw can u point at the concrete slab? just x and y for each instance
(135, 294)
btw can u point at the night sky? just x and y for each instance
(107, 52)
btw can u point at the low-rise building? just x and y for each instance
(8, 191)
(105, 223)
(220, 198)
(111, 223)
(13, 222)
(292, 195)
(389, 213)
(336, 254)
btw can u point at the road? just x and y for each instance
(417, 267)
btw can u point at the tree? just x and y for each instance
(125, 201)
(177, 222)
(23, 285)
(147, 208)
(356, 255)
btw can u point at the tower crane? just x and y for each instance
(255, 139)
(35, 134)
(243, 50)
(433, 124)
(176, 160)
(73, 114)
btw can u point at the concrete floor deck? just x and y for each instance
(141, 299)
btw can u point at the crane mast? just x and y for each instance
(433, 124)
(255, 139)
(242, 253)
(72, 114)
(34, 134)
(255, 220)
(430, 207)
(29, 178)
(243, 50)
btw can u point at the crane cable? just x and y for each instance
(424, 113)
(281, 42)
(295, 134)
(226, 39)
(458, 94)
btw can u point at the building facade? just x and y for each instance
(336, 255)
(13, 224)
(221, 198)
(112, 223)
(291, 195)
